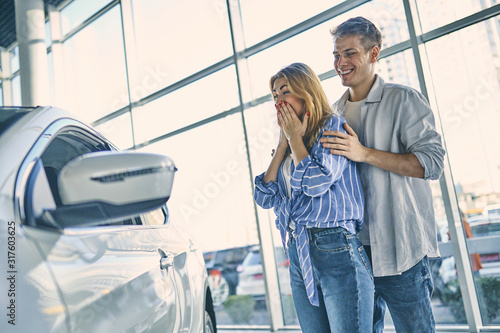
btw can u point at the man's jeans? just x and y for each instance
(344, 279)
(408, 297)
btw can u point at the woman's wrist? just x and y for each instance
(295, 141)
(282, 146)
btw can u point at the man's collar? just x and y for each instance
(374, 95)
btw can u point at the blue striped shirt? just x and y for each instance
(326, 193)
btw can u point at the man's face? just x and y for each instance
(353, 64)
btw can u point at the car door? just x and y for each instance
(115, 277)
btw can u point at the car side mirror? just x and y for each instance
(109, 186)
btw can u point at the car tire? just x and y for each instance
(219, 288)
(209, 326)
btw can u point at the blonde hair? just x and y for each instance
(306, 85)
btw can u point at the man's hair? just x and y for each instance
(359, 26)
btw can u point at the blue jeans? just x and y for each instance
(408, 297)
(344, 279)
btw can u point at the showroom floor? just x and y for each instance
(224, 330)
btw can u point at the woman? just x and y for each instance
(318, 200)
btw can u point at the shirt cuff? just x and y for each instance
(268, 188)
(426, 162)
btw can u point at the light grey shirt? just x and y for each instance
(399, 213)
(353, 114)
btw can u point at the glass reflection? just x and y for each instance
(468, 102)
(262, 131)
(262, 19)
(213, 192)
(315, 46)
(14, 60)
(204, 98)
(213, 199)
(16, 90)
(77, 11)
(48, 39)
(118, 130)
(434, 14)
(95, 76)
(180, 38)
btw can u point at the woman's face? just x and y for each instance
(281, 93)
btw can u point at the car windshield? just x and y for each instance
(9, 115)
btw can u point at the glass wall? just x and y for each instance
(164, 78)
(16, 90)
(467, 97)
(186, 37)
(94, 67)
(199, 100)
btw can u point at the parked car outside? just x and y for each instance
(251, 274)
(86, 240)
(487, 229)
(222, 275)
(491, 210)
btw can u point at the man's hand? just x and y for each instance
(343, 144)
(348, 145)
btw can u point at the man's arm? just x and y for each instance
(348, 145)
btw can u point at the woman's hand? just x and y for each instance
(289, 123)
(294, 130)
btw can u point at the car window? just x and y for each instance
(494, 211)
(253, 259)
(232, 256)
(489, 229)
(67, 145)
(63, 148)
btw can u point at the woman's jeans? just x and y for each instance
(344, 279)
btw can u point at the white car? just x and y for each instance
(251, 274)
(86, 244)
(486, 232)
(491, 210)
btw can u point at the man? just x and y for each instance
(391, 133)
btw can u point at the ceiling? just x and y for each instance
(8, 20)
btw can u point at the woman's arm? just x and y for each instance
(271, 173)
(266, 192)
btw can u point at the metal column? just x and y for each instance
(30, 28)
(57, 58)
